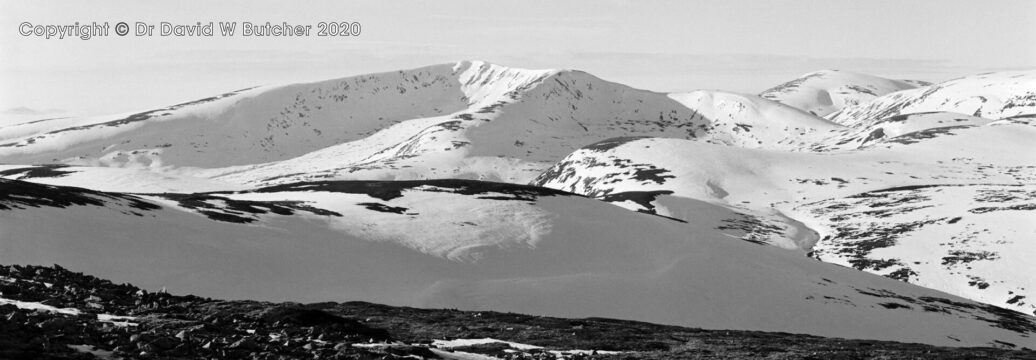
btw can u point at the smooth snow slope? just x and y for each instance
(826, 91)
(791, 199)
(476, 245)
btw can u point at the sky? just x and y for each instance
(670, 46)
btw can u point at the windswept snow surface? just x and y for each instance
(823, 92)
(578, 258)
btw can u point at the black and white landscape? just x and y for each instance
(837, 204)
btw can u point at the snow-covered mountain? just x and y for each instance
(849, 207)
(465, 120)
(242, 195)
(823, 92)
(996, 95)
(469, 119)
(476, 245)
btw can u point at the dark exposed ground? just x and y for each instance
(171, 327)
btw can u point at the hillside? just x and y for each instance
(968, 200)
(99, 319)
(495, 246)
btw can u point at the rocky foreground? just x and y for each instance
(54, 313)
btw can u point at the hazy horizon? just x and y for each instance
(666, 46)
